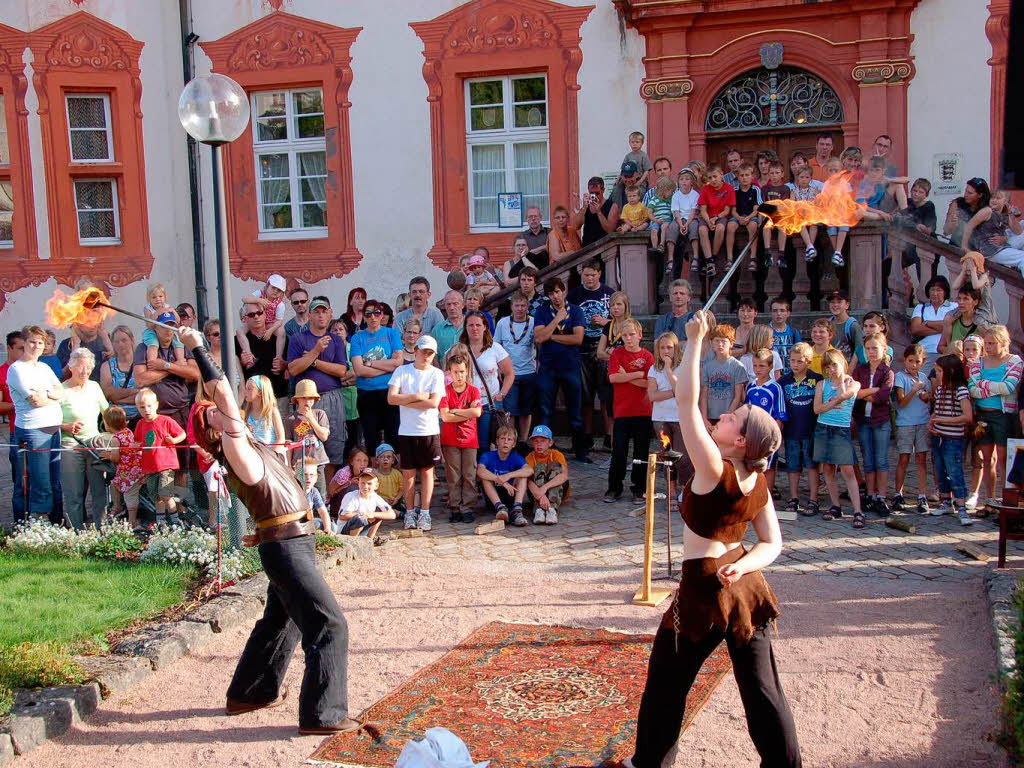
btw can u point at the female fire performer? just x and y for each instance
(722, 594)
(299, 602)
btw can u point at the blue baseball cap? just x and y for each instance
(382, 448)
(542, 431)
(167, 317)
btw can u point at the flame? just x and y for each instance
(835, 206)
(666, 441)
(63, 309)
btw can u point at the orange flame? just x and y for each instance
(63, 309)
(835, 206)
(666, 441)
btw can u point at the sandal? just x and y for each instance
(810, 510)
(832, 513)
(858, 519)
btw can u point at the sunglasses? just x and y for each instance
(300, 301)
(214, 335)
(374, 312)
(251, 315)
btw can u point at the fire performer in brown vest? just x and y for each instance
(299, 602)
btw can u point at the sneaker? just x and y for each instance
(501, 513)
(423, 523)
(411, 519)
(455, 516)
(898, 502)
(944, 508)
(539, 518)
(611, 497)
(518, 519)
(972, 501)
(838, 260)
(769, 260)
(965, 519)
(709, 269)
(881, 508)
(922, 506)
(552, 516)
(811, 253)
(782, 261)
(468, 517)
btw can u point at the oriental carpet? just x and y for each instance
(523, 696)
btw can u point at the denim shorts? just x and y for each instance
(833, 231)
(522, 397)
(833, 445)
(799, 454)
(874, 444)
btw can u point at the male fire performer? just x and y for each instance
(299, 602)
(722, 594)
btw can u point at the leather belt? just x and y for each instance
(274, 522)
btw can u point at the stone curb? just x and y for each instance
(38, 715)
(1000, 585)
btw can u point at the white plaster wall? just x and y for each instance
(948, 99)
(156, 24)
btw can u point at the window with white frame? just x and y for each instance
(6, 189)
(89, 127)
(291, 163)
(507, 141)
(96, 207)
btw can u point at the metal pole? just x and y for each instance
(220, 238)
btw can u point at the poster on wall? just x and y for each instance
(510, 210)
(947, 173)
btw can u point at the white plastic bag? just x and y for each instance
(439, 749)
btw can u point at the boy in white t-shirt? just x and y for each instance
(363, 509)
(417, 388)
(686, 224)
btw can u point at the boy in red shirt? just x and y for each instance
(716, 200)
(158, 435)
(460, 408)
(627, 371)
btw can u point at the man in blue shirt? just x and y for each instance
(558, 332)
(376, 353)
(317, 355)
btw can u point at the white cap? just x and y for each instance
(277, 282)
(427, 342)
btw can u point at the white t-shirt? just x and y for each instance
(354, 504)
(408, 379)
(24, 379)
(488, 362)
(664, 410)
(278, 311)
(748, 363)
(684, 202)
(929, 314)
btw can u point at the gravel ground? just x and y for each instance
(878, 675)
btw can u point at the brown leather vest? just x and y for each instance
(276, 494)
(724, 512)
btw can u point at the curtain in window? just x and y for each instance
(276, 190)
(313, 187)
(531, 169)
(488, 162)
(6, 211)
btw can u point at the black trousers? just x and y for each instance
(376, 415)
(671, 673)
(299, 605)
(625, 429)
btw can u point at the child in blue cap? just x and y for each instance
(549, 487)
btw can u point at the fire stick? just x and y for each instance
(765, 208)
(93, 300)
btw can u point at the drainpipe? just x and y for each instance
(188, 41)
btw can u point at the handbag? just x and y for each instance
(499, 418)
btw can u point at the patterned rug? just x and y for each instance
(523, 696)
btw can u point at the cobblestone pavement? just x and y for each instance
(592, 532)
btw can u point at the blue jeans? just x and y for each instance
(483, 429)
(948, 455)
(18, 491)
(44, 490)
(548, 383)
(874, 443)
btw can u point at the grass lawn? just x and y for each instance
(68, 600)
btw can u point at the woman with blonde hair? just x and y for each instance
(760, 337)
(619, 312)
(661, 389)
(262, 415)
(993, 381)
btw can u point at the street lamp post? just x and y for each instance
(214, 110)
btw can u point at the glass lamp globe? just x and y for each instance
(213, 109)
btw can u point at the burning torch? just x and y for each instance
(88, 307)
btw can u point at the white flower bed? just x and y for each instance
(175, 545)
(192, 547)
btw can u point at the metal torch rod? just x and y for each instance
(143, 318)
(732, 270)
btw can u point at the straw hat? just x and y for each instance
(306, 388)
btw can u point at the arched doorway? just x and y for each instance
(781, 109)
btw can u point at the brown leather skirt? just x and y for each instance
(702, 603)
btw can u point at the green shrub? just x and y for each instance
(116, 542)
(1011, 733)
(35, 665)
(251, 563)
(327, 542)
